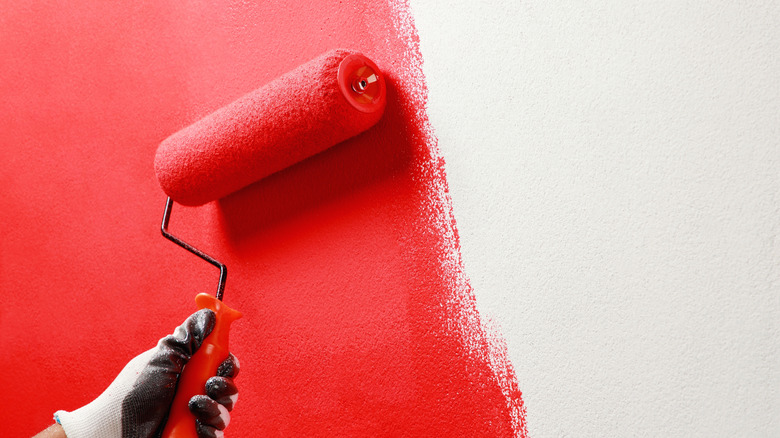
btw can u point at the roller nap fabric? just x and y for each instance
(291, 118)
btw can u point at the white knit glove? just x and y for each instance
(136, 404)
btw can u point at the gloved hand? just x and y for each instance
(136, 404)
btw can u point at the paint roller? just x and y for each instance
(309, 109)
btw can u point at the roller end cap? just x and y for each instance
(362, 84)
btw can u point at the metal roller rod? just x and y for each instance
(192, 249)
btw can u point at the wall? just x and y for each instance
(613, 168)
(358, 318)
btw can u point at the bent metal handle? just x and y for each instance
(201, 367)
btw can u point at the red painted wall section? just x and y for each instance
(358, 320)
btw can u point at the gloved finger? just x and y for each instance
(205, 431)
(222, 390)
(229, 367)
(188, 337)
(209, 412)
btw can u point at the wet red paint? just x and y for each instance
(358, 318)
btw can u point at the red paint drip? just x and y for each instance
(358, 319)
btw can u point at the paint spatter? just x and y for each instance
(359, 320)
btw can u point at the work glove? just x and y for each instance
(136, 404)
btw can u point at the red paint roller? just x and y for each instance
(319, 104)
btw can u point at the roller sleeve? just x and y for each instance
(319, 104)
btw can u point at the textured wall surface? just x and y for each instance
(358, 320)
(614, 174)
(613, 169)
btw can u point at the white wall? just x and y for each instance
(614, 174)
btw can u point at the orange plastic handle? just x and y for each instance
(201, 367)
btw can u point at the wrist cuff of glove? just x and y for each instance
(84, 423)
